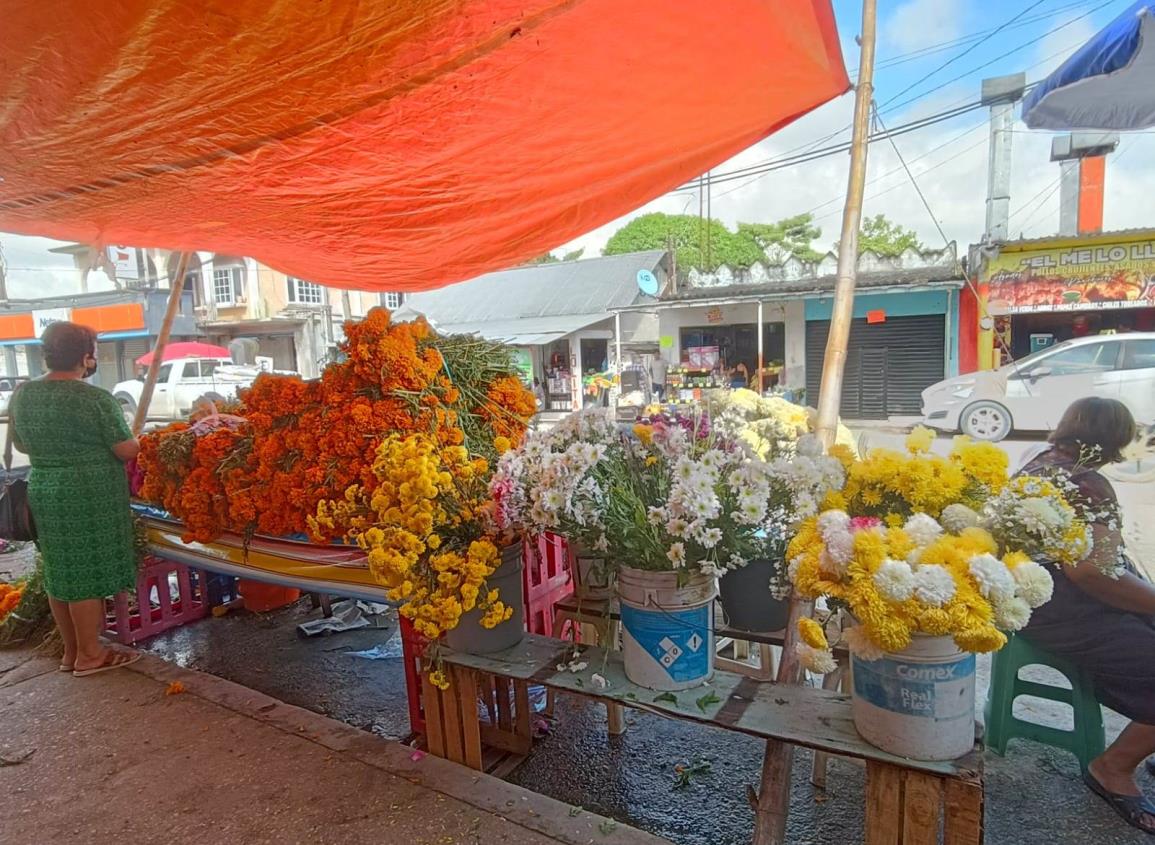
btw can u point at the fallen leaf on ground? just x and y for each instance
(17, 759)
(175, 688)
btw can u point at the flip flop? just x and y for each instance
(64, 667)
(112, 660)
(1131, 808)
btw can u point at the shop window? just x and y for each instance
(305, 293)
(1086, 358)
(229, 285)
(1139, 354)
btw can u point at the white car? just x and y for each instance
(1033, 393)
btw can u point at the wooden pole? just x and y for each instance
(761, 352)
(773, 805)
(161, 342)
(834, 364)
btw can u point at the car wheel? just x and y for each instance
(129, 411)
(985, 420)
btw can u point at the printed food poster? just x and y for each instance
(1073, 278)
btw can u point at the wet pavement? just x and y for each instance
(1034, 796)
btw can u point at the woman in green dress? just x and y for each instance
(77, 441)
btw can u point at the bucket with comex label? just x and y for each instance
(667, 629)
(919, 703)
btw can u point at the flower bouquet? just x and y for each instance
(770, 426)
(918, 546)
(426, 530)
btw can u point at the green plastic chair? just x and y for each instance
(1087, 741)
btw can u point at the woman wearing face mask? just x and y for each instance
(77, 441)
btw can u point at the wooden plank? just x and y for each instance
(504, 706)
(812, 718)
(883, 804)
(523, 726)
(451, 707)
(466, 682)
(922, 797)
(434, 728)
(492, 737)
(963, 816)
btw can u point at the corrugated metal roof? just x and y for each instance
(937, 276)
(524, 331)
(1049, 240)
(592, 286)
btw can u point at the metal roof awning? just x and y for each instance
(527, 331)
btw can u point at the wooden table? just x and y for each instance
(908, 802)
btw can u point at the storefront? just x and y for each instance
(125, 322)
(1045, 291)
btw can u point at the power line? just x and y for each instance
(965, 52)
(942, 46)
(790, 160)
(997, 58)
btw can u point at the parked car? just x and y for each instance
(8, 385)
(182, 382)
(1032, 394)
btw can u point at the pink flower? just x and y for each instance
(864, 523)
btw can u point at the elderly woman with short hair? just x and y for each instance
(77, 441)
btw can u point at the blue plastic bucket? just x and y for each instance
(919, 703)
(667, 630)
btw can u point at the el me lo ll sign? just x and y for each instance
(1073, 278)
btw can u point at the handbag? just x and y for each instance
(15, 516)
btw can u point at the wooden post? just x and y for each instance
(774, 794)
(834, 364)
(161, 342)
(761, 356)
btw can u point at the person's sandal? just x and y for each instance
(1131, 808)
(112, 660)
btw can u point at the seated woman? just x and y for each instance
(1104, 625)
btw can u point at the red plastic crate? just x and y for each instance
(155, 609)
(548, 579)
(413, 646)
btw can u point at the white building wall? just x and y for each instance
(795, 362)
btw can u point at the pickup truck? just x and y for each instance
(182, 382)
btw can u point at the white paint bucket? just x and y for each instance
(919, 703)
(667, 630)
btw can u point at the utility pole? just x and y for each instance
(773, 804)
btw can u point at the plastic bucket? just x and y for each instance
(919, 703)
(667, 630)
(261, 597)
(470, 636)
(748, 603)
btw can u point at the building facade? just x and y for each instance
(774, 321)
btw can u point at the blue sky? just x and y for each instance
(948, 159)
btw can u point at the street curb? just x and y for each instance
(530, 810)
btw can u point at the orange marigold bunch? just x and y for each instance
(303, 443)
(9, 597)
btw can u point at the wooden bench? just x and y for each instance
(908, 802)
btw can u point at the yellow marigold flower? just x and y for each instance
(651, 460)
(812, 634)
(439, 679)
(502, 444)
(920, 440)
(981, 640)
(645, 433)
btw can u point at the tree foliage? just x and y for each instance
(884, 237)
(550, 258)
(789, 237)
(707, 245)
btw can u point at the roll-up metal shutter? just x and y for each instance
(888, 364)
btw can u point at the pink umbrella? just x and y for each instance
(187, 349)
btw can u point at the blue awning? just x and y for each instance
(1108, 84)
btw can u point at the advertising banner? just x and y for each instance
(1100, 276)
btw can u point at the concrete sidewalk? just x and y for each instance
(113, 758)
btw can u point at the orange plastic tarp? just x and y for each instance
(385, 145)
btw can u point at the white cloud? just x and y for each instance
(33, 271)
(919, 23)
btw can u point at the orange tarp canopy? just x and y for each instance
(385, 145)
